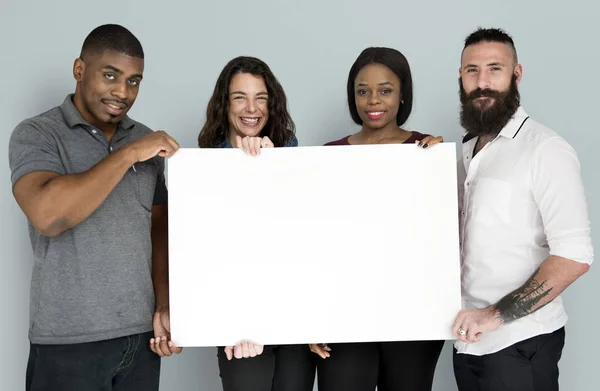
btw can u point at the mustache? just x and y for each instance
(480, 93)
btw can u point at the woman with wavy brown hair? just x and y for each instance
(248, 110)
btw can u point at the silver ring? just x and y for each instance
(462, 332)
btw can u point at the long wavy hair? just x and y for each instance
(279, 127)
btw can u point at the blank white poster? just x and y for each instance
(313, 244)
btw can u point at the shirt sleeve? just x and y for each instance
(559, 193)
(160, 191)
(30, 149)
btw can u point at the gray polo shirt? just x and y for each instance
(92, 282)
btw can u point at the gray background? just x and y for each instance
(310, 46)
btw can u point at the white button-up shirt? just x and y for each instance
(521, 200)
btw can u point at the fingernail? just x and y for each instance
(171, 344)
(420, 143)
(425, 146)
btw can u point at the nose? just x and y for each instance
(120, 91)
(483, 80)
(373, 99)
(251, 107)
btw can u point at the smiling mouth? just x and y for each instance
(114, 108)
(249, 121)
(375, 114)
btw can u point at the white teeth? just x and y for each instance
(376, 112)
(113, 106)
(250, 120)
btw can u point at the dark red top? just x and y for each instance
(411, 140)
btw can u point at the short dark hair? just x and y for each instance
(112, 37)
(398, 64)
(279, 127)
(491, 35)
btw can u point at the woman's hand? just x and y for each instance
(429, 141)
(252, 145)
(321, 349)
(243, 349)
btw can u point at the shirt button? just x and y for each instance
(111, 148)
(94, 131)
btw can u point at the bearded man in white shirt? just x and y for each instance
(525, 231)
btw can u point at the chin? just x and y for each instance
(487, 102)
(250, 132)
(375, 125)
(114, 120)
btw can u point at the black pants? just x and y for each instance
(389, 366)
(530, 365)
(278, 368)
(121, 364)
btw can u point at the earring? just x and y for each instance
(402, 101)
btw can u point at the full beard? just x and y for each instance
(488, 119)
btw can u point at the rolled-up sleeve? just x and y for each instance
(30, 149)
(559, 193)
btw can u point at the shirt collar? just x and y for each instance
(512, 128)
(73, 116)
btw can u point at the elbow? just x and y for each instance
(578, 269)
(584, 268)
(50, 226)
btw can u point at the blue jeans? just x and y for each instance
(120, 364)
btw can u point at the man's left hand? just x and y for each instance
(161, 344)
(471, 324)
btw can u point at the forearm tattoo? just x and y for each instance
(524, 300)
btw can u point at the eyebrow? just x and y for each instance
(491, 64)
(120, 72)
(385, 83)
(243, 93)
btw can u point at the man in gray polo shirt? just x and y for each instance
(91, 182)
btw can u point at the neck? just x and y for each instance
(391, 131)
(482, 142)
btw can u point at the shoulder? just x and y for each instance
(43, 125)
(139, 129)
(544, 142)
(342, 141)
(416, 136)
(292, 141)
(535, 133)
